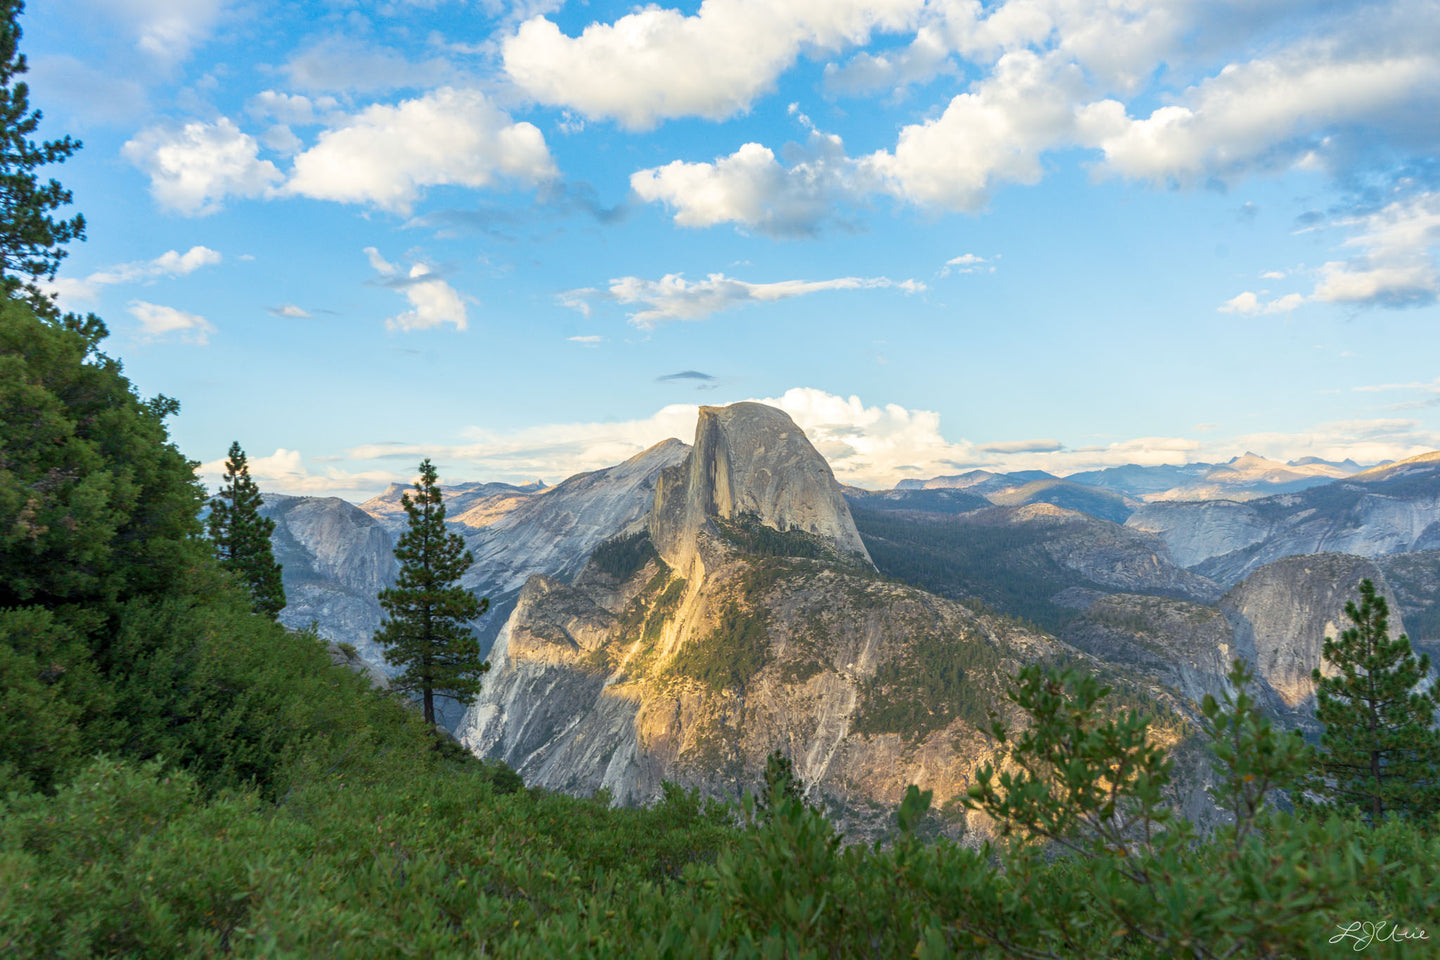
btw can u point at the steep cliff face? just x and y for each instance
(745, 621)
(749, 461)
(1283, 612)
(335, 559)
(1386, 510)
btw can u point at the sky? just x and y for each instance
(530, 238)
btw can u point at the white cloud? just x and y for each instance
(193, 169)
(158, 322)
(1397, 267)
(968, 263)
(750, 187)
(589, 340)
(289, 311)
(387, 155)
(171, 263)
(672, 297)
(876, 446)
(1263, 114)
(657, 64)
(284, 471)
(433, 302)
(991, 135)
(291, 109)
(1249, 304)
(165, 30)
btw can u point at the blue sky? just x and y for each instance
(527, 239)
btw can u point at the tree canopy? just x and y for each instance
(242, 536)
(428, 632)
(31, 238)
(1380, 752)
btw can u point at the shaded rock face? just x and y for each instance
(749, 460)
(335, 559)
(1282, 614)
(1378, 512)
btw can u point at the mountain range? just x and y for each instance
(683, 614)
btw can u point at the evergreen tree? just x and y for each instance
(30, 237)
(428, 631)
(242, 536)
(1380, 752)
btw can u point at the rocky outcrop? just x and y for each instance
(1282, 613)
(749, 461)
(1382, 511)
(335, 559)
(750, 623)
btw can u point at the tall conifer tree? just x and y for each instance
(30, 238)
(428, 632)
(1380, 752)
(242, 536)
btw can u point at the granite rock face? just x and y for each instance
(749, 460)
(708, 655)
(1283, 612)
(1385, 510)
(335, 559)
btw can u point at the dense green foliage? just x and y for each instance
(929, 683)
(1380, 752)
(30, 238)
(428, 632)
(622, 557)
(1003, 567)
(242, 536)
(757, 539)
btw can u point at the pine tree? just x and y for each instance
(242, 536)
(428, 632)
(30, 237)
(1380, 752)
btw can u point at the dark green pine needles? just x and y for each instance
(428, 631)
(242, 536)
(30, 238)
(1380, 752)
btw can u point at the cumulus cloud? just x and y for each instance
(171, 263)
(1396, 266)
(194, 168)
(433, 302)
(284, 471)
(1262, 114)
(289, 311)
(387, 155)
(657, 64)
(291, 109)
(159, 322)
(1249, 304)
(672, 297)
(751, 188)
(993, 134)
